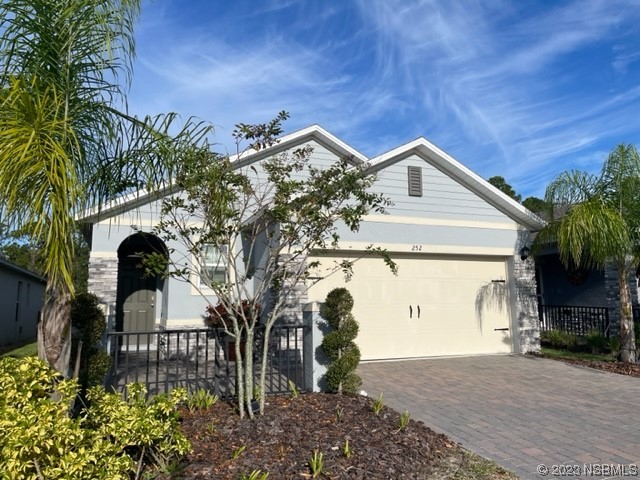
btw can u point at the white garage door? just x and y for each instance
(436, 305)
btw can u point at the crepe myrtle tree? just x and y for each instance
(272, 211)
(601, 225)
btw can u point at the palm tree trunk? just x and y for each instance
(54, 330)
(627, 334)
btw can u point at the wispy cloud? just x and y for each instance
(519, 89)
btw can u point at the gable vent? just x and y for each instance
(414, 175)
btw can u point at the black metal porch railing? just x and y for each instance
(202, 358)
(574, 319)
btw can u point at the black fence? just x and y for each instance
(202, 359)
(573, 319)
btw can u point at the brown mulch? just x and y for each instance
(283, 440)
(621, 368)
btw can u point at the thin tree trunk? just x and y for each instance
(263, 367)
(627, 334)
(54, 330)
(239, 377)
(248, 371)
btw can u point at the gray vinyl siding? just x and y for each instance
(442, 196)
(21, 302)
(404, 233)
(320, 158)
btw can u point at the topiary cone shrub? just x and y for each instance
(339, 344)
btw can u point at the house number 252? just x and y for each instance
(416, 248)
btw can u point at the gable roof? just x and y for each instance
(12, 267)
(300, 137)
(448, 165)
(421, 147)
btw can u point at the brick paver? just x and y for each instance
(517, 410)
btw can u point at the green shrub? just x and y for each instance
(97, 365)
(614, 346)
(201, 400)
(106, 441)
(88, 319)
(338, 345)
(597, 342)
(559, 339)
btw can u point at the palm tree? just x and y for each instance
(602, 225)
(66, 141)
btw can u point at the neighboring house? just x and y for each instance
(462, 287)
(21, 301)
(588, 291)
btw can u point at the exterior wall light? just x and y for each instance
(524, 253)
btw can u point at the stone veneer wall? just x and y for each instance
(295, 298)
(526, 305)
(612, 293)
(103, 282)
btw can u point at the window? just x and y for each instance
(414, 175)
(213, 267)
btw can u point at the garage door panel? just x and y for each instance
(463, 310)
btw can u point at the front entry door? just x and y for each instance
(136, 301)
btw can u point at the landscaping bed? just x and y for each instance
(283, 441)
(607, 364)
(592, 350)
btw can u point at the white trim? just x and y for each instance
(419, 249)
(372, 218)
(439, 222)
(98, 255)
(184, 322)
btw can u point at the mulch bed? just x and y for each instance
(630, 369)
(283, 440)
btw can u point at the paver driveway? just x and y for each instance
(517, 410)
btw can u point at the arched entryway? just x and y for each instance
(136, 303)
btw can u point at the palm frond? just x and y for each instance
(570, 188)
(592, 234)
(37, 166)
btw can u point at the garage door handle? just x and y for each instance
(501, 329)
(410, 311)
(418, 311)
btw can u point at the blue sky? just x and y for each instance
(513, 88)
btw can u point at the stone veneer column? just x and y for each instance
(612, 296)
(295, 298)
(526, 305)
(315, 361)
(103, 282)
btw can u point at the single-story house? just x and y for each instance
(583, 297)
(22, 299)
(462, 285)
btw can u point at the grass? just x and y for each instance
(465, 465)
(20, 351)
(557, 353)
(475, 467)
